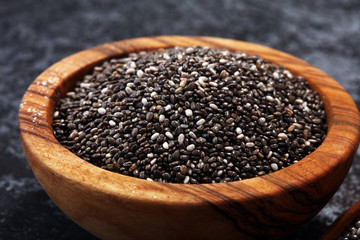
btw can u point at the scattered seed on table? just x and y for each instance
(190, 115)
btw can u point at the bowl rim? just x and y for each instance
(45, 152)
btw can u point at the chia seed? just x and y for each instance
(190, 115)
(352, 231)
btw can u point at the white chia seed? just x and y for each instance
(102, 111)
(190, 147)
(188, 112)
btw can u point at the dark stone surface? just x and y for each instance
(35, 34)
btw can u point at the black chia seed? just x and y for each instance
(190, 115)
(351, 232)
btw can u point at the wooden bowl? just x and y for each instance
(113, 206)
(339, 226)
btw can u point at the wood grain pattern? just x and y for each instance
(338, 227)
(113, 206)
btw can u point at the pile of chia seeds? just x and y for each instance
(190, 115)
(352, 232)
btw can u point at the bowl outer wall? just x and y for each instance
(110, 205)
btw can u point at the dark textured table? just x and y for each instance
(36, 34)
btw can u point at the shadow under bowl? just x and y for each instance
(114, 206)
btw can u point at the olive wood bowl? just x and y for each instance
(113, 206)
(339, 226)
